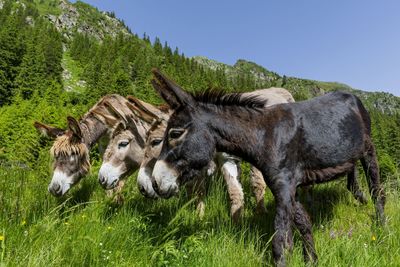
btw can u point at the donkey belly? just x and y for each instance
(332, 139)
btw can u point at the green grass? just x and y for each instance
(48, 7)
(75, 73)
(87, 229)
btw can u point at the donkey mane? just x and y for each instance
(65, 146)
(101, 112)
(223, 98)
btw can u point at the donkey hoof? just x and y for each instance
(261, 210)
(236, 214)
(362, 199)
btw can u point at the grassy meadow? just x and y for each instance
(50, 70)
(88, 229)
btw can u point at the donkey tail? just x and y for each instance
(371, 169)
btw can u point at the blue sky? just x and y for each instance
(356, 42)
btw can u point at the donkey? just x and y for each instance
(292, 145)
(71, 147)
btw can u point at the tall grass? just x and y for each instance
(88, 229)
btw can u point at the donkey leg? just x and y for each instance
(354, 187)
(303, 224)
(198, 189)
(282, 241)
(230, 171)
(371, 169)
(258, 186)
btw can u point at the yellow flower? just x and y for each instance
(2, 237)
(83, 216)
(23, 222)
(373, 238)
(109, 228)
(66, 223)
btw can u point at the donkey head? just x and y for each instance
(124, 152)
(70, 153)
(188, 145)
(154, 142)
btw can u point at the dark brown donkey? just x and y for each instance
(292, 145)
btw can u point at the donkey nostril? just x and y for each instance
(155, 186)
(57, 187)
(141, 189)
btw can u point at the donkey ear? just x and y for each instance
(142, 114)
(74, 127)
(48, 130)
(147, 108)
(172, 93)
(119, 114)
(121, 126)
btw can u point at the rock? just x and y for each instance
(68, 88)
(81, 83)
(66, 74)
(29, 20)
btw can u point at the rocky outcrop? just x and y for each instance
(67, 21)
(73, 19)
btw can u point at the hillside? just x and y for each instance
(80, 17)
(384, 102)
(57, 59)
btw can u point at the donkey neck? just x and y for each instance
(92, 130)
(239, 131)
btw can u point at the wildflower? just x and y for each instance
(2, 237)
(350, 233)
(23, 222)
(109, 228)
(373, 238)
(332, 234)
(100, 244)
(66, 223)
(83, 216)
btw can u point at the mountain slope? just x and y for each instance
(82, 18)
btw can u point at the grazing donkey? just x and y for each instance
(122, 155)
(292, 145)
(71, 147)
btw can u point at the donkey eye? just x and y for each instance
(176, 133)
(156, 142)
(123, 144)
